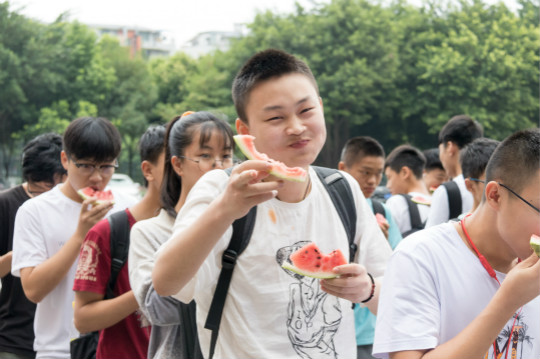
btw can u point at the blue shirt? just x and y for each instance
(364, 320)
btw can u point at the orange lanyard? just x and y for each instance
(493, 275)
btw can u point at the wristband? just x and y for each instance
(372, 289)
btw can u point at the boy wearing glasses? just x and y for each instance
(471, 289)
(117, 319)
(50, 229)
(41, 170)
(474, 159)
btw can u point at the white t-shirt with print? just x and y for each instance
(433, 288)
(42, 226)
(439, 211)
(271, 312)
(400, 210)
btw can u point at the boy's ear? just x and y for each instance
(146, 169)
(405, 172)
(241, 127)
(469, 185)
(64, 159)
(341, 166)
(451, 148)
(320, 101)
(493, 196)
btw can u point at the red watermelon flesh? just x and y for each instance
(101, 196)
(279, 169)
(311, 262)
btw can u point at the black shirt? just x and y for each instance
(16, 311)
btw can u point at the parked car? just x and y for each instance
(123, 183)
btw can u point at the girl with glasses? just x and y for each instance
(195, 144)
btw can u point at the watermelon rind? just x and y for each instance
(317, 275)
(276, 168)
(535, 244)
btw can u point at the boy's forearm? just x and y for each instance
(186, 251)
(101, 314)
(40, 280)
(373, 303)
(5, 263)
(473, 341)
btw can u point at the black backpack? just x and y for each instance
(85, 346)
(454, 199)
(341, 194)
(378, 207)
(414, 214)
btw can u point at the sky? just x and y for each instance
(183, 19)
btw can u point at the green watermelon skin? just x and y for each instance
(535, 244)
(309, 261)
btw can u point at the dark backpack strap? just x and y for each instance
(242, 229)
(119, 224)
(341, 194)
(454, 199)
(378, 207)
(414, 214)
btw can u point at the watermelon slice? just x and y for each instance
(381, 219)
(421, 200)
(279, 169)
(309, 261)
(101, 196)
(535, 244)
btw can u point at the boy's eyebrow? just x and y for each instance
(279, 107)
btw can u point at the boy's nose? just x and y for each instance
(295, 126)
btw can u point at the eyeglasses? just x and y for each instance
(511, 191)
(88, 169)
(207, 163)
(518, 196)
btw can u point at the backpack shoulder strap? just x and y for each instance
(377, 207)
(242, 230)
(414, 214)
(341, 194)
(119, 224)
(454, 199)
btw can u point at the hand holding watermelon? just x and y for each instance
(95, 206)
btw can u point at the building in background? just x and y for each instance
(151, 43)
(209, 41)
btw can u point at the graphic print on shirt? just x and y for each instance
(313, 316)
(88, 262)
(519, 341)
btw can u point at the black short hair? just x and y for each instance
(516, 160)
(475, 156)
(359, 147)
(433, 161)
(461, 130)
(152, 143)
(93, 138)
(406, 156)
(41, 159)
(263, 66)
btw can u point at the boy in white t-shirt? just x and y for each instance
(471, 289)
(455, 134)
(50, 229)
(474, 159)
(410, 198)
(271, 312)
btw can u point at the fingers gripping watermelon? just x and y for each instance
(102, 196)
(535, 244)
(279, 169)
(311, 262)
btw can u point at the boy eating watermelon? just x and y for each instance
(471, 289)
(270, 313)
